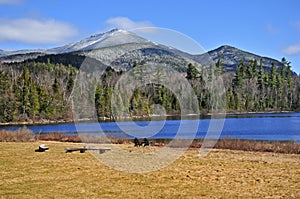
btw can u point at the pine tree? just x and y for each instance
(281, 98)
(290, 85)
(191, 72)
(70, 85)
(251, 69)
(219, 66)
(34, 101)
(98, 94)
(238, 81)
(273, 76)
(261, 77)
(273, 86)
(283, 68)
(7, 100)
(56, 87)
(23, 92)
(229, 101)
(44, 100)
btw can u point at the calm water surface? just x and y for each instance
(273, 126)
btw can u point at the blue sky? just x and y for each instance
(266, 27)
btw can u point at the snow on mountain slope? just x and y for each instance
(109, 54)
(119, 48)
(19, 52)
(232, 56)
(107, 39)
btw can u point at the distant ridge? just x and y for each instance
(118, 48)
(232, 56)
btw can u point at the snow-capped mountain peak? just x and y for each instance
(113, 37)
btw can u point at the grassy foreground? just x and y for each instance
(222, 174)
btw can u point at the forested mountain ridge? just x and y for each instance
(41, 90)
(232, 56)
(118, 48)
(38, 87)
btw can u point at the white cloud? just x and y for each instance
(33, 31)
(292, 50)
(127, 24)
(10, 1)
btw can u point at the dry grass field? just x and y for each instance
(222, 174)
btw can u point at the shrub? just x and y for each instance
(21, 135)
(262, 146)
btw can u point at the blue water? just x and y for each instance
(247, 126)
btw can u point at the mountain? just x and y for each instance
(19, 52)
(232, 56)
(120, 48)
(19, 57)
(111, 38)
(122, 57)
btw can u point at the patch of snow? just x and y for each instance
(111, 38)
(21, 52)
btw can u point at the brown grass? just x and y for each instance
(261, 146)
(288, 147)
(221, 174)
(60, 137)
(21, 135)
(25, 135)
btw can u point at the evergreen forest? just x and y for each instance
(41, 90)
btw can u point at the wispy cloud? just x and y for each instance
(127, 24)
(7, 2)
(271, 29)
(33, 31)
(292, 49)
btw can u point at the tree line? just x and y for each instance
(256, 89)
(34, 91)
(42, 90)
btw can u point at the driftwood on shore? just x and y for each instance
(83, 149)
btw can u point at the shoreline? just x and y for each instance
(49, 122)
(276, 146)
(228, 144)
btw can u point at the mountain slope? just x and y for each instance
(122, 57)
(232, 56)
(19, 57)
(107, 39)
(120, 48)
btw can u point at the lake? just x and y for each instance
(271, 126)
